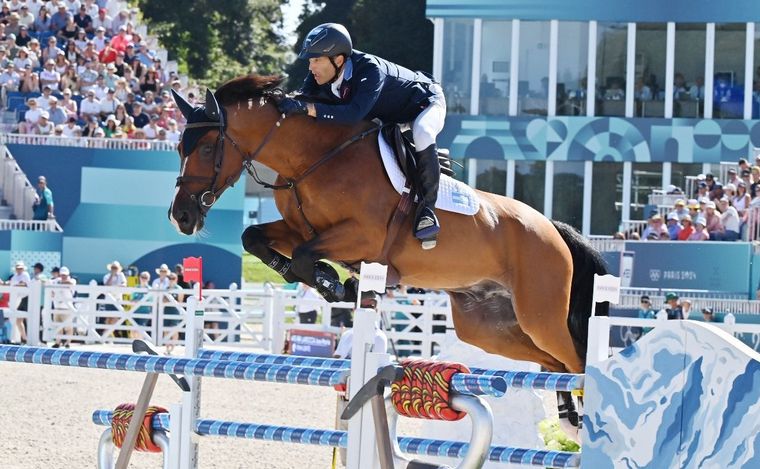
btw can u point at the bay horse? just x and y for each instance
(520, 285)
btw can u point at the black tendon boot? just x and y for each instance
(426, 226)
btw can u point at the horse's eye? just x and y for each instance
(207, 150)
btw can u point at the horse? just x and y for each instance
(520, 284)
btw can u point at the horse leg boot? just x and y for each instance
(426, 226)
(255, 242)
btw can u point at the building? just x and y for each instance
(581, 108)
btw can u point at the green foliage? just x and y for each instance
(554, 438)
(396, 30)
(216, 40)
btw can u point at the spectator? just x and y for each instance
(31, 117)
(120, 20)
(89, 77)
(37, 271)
(306, 307)
(80, 41)
(12, 26)
(714, 187)
(732, 177)
(121, 40)
(68, 105)
(121, 91)
(89, 107)
(72, 6)
(99, 41)
(57, 115)
(685, 307)
(162, 282)
(172, 134)
(149, 104)
(23, 38)
(345, 344)
(92, 126)
(35, 52)
(108, 54)
(680, 208)
(9, 79)
(740, 201)
(700, 232)
(44, 126)
(49, 76)
(44, 101)
(92, 8)
(69, 31)
(83, 20)
(654, 228)
(42, 23)
(71, 52)
(71, 128)
(714, 225)
(22, 59)
(172, 299)
(151, 130)
(687, 229)
(30, 81)
(133, 84)
(708, 315)
(729, 220)
(4, 58)
(25, 17)
(70, 82)
(111, 127)
(100, 88)
(673, 226)
(150, 81)
(672, 308)
(109, 104)
(52, 50)
(61, 64)
(646, 311)
(63, 302)
(102, 20)
(43, 202)
(119, 64)
(20, 278)
(141, 119)
(129, 54)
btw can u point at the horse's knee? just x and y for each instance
(253, 239)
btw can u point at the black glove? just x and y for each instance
(290, 106)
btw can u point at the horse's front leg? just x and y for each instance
(273, 243)
(342, 242)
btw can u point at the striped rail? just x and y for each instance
(338, 438)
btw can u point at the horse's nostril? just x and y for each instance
(183, 218)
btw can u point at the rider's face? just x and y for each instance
(322, 69)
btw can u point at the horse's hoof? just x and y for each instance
(572, 431)
(351, 289)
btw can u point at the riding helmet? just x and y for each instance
(329, 39)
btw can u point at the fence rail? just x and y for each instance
(88, 142)
(31, 225)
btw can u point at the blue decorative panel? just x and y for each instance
(112, 205)
(577, 138)
(680, 11)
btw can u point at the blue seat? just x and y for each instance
(21, 115)
(14, 102)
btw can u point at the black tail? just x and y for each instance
(586, 262)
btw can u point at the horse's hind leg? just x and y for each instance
(262, 240)
(483, 316)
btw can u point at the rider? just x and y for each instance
(354, 85)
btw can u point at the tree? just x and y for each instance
(396, 30)
(217, 40)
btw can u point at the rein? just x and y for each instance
(206, 198)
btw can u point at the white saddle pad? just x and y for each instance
(453, 196)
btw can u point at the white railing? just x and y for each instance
(660, 198)
(258, 318)
(607, 243)
(88, 142)
(633, 226)
(753, 224)
(17, 190)
(30, 225)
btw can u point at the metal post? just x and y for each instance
(191, 401)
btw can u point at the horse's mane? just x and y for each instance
(248, 87)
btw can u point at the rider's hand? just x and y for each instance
(290, 106)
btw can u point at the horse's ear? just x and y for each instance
(212, 106)
(184, 107)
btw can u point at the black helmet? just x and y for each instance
(329, 39)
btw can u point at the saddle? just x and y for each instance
(403, 147)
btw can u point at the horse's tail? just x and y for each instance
(586, 262)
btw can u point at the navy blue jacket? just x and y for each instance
(371, 88)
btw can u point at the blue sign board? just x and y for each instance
(680, 11)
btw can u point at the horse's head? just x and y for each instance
(210, 159)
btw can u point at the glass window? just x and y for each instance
(649, 76)
(457, 64)
(689, 74)
(494, 67)
(492, 176)
(572, 68)
(756, 79)
(611, 45)
(533, 76)
(728, 82)
(606, 213)
(567, 200)
(530, 177)
(682, 176)
(646, 177)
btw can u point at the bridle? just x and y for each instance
(205, 198)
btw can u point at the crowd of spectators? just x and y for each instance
(716, 211)
(83, 73)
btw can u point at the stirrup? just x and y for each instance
(426, 226)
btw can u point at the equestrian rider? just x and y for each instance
(355, 86)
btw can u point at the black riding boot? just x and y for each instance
(426, 226)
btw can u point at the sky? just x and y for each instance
(290, 14)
